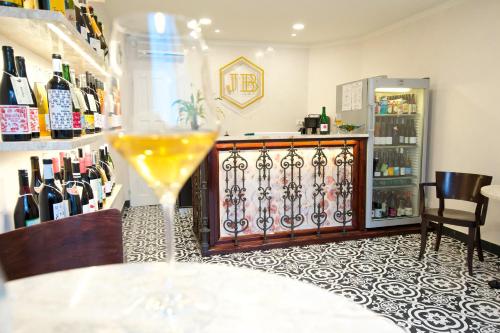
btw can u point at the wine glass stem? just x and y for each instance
(168, 205)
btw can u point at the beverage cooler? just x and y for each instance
(394, 112)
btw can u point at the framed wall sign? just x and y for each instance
(241, 82)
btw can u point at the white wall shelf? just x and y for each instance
(47, 143)
(116, 200)
(44, 32)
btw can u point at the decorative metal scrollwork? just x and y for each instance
(292, 190)
(264, 164)
(319, 162)
(344, 162)
(235, 193)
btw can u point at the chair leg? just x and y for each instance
(439, 231)
(470, 248)
(478, 245)
(423, 238)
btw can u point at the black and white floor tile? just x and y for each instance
(383, 274)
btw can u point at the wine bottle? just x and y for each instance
(14, 118)
(94, 103)
(390, 165)
(397, 166)
(401, 208)
(80, 23)
(57, 174)
(408, 206)
(43, 109)
(97, 27)
(108, 157)
(324, 122)
(391, 202)
(378, 205)
(95, 180)
(402, 128)
(384, 167)
(93, 206)
(50, 199)
(60, 103)
(413, 104)
(77, 94)
(384, 204)
(80, 186)
(70, 192)
(86, 22)
(26, 212)
(377, 134)
(33, 107)
(11, 3)
(376, 165)
(402, 162)
(413, 133)
(77, 118)
(70, 11)
(108, 184)
(388, 132)
(90, 107)
(36, 178)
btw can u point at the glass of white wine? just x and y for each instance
(157, 62)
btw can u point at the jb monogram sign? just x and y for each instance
(241, 82)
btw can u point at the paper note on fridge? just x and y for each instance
(346, 97)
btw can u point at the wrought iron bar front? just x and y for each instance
(344, 162)
(319, 162)
(292, 164)
(235, 165)
(264, 164)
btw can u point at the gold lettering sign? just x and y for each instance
(241, 82)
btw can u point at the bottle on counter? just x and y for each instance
(36, 178)
(33, 107)
(51, 201)
(14, 121)
(26, 212)
(324, 122)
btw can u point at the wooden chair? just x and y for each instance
(78, 241)
(459, 186)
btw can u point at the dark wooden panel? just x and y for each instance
(78, 241)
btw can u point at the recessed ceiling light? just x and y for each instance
(205, 21)
(298, 26)
(293, 35)
(217, 31)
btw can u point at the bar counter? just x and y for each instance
(257, 192)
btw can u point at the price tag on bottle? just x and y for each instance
(21, 90)
(95, 43)
(76, 102)
(92, 104)
(81, 100)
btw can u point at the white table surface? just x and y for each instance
(491, 191)
(215, 298)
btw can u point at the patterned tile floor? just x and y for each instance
(383, 274)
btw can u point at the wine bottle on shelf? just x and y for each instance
(94, 101)
(377, 204)
(401, 208)
(98, 31)
(60, 103)
(395, 131)
(383, 206)
(43, 109)
(391, 203)
(33, 107)
(376, 165)
(102, 174)
(324, 122)
(91, 36)
(95, 181)
(388, 132)
(14, 117)
(108, 185)
(51, 201)
(11, 3)
(413, 104)
(402, 129)
(57, 174)
(384, 167)
(86, 184)
(70, 192)
(397, 166)
(91, 110)
(413, 133)
(408, 205)
(36, 178)
(401, 162)
(26, 212)
(377, 134)
(88, 115)
(77, 118)
(390, 164)
(80, 186)
(78, 95)
(79, 22)
(108, 157)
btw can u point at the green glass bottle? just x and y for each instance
(324, 122)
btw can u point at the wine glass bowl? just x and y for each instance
(160, 64)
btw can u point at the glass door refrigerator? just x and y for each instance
(394, 113)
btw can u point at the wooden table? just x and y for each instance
(492, 192)
(204, 298)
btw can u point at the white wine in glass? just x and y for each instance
(159, 62)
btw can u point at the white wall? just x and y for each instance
(459, 49)
(285, 96)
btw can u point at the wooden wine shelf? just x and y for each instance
(46, 143)
(44, 32)
(116, 200)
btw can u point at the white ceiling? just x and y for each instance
(271, 20)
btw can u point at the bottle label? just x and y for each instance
(21, 90)
(95, 43)
(60, 209)
(377, 174)
(57, 65)
(81, 100)
(31, 222)
(396, 171)
(388, 140)
(93, 205)
(401, 212)
(408, 171)
(402, 171)
(66, 208)
(47, 122)
(392, 212)
(390, 171)
(378, 213)
(34, 121)
(97, 120)
(86, 209)
(60, 109)
(74, 98)
(108, 186)
(96, 189)
(14, 119)
(413, 140)
(407, 140)
(408, 211)
(58, 6)
(92, 104)
(77, 121)
(84, 31)
(89, 121)
(323, 128)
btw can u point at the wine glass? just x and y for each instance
(158, 61)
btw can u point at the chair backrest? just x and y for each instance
(461, 186)
(78, 241)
